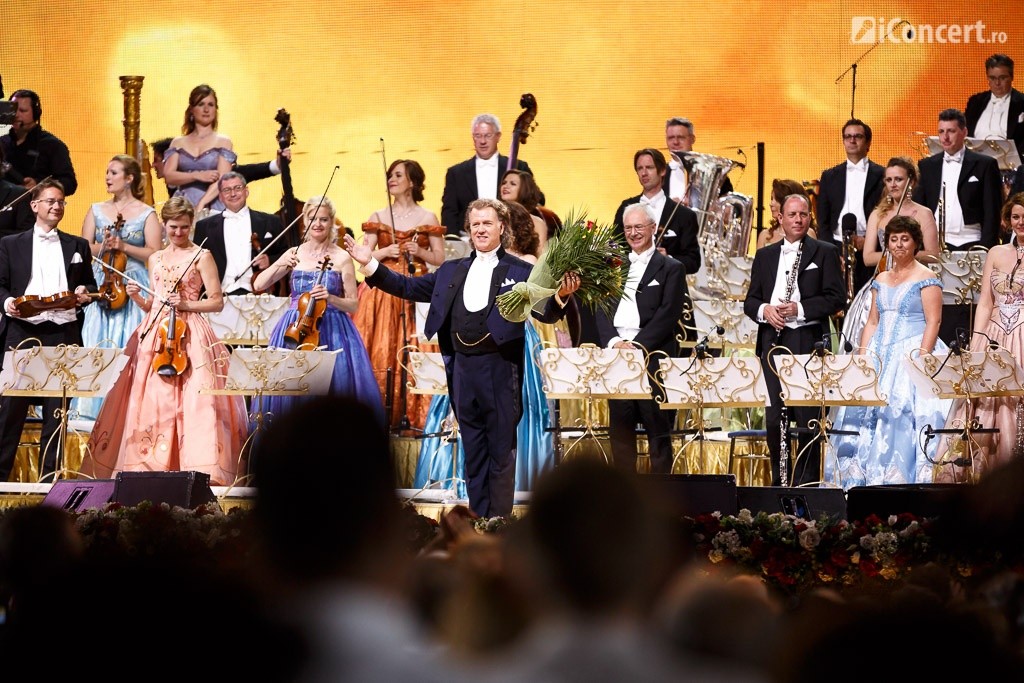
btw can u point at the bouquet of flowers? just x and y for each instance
(593, 251)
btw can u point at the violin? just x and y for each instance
(305, 331)
(114, 295)
(521, 131)
(34, 304)
(170, 359)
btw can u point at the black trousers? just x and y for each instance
(623, 416)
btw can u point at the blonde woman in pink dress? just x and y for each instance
(156, 422)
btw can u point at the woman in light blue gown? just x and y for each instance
(535, 452)
(138, 235)
(353, 374)
(906, 309)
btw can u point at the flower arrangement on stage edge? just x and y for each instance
(592, 250)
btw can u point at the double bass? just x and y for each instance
(521, 131)
(291, 208)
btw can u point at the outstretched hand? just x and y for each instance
(570, 283)
(360, 253)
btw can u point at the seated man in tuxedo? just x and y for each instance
(853, 189)
(997, 113)
(679, 137)
(475, 178)
(42, 261)
(251, 172)
(970, 186)
(796, 284)
(237, 235)
(646, 317)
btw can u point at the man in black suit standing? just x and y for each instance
(997, 113)
(646, 317)
(42, 261)
(973, 198)
(237, 235)
(795, 286)
(679, 138)
(475, 178)
(852, 188)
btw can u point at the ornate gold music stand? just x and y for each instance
(698, 383)
(248, 319)
(968, 375)
(259, 372)
(588, 372)
(824, 381)
(65, 371)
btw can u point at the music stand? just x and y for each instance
(588, 372)
(698, 383)
(65, 371)
(427, 376)
(1005, 152)
(720, 275)
(248, 319)
(960, 273)
(740, 332)
(824, 381)
(271, 371)
(968, 375)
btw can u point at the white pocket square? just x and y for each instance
(508, 282)
(973, 179)
(1020, 119)
(268, 236)
(653, 283)
(76, 258)
(670, 233)
(812, 266)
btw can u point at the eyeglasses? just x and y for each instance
(51, 202)
(998, 79)
(854, 136)
(483, 136)
(637, 228)
(237, 189)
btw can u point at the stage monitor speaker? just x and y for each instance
(181, 489)
(79, 494)
(921, 500)
(694, 494)
(808, 503)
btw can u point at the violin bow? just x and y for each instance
(391, 209)
(163, 302)
(126, 277)
(10, 204)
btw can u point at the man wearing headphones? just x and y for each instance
(30, 152)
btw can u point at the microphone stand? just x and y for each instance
(853, 67)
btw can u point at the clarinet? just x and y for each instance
(784, 412)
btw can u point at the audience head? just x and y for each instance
(999, 70)
(202, 104)
(130, 167)
(522, 236)
(412, 171)
(905, 225)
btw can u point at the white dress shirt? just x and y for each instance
(476, 290)
(992, 122)
(238, 248)
(856, 180)
(677, 181)
(957, 232)
(657, 203)
(487, 177)
(48, 274)
(786, 262)
(627, 315)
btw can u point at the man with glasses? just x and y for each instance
(997, 113)
(43, 261)
(475, 178)
(646, 317)
(853, 189)
(238, 234)
(679, 138)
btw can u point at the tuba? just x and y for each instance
(724, 222)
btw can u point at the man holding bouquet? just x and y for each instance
(482, 350)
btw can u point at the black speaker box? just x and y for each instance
(181, 489)
(694, 494)
(809, 503)
(79, 494)
(921, 500)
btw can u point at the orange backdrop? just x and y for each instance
(606, 75)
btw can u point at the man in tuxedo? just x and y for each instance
(33, 153)
(972, 199)
(482, 351)
(475, 178)
(236, 235)
(795, 286)
(646, 317)
(679, 137)
(997, 113)
(42, 261)
(251, 172)
(852, 188)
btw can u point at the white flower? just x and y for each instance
(809, 538)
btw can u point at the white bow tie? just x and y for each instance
(788, 248)
(493, 161)
(48, 237)
(228, 213)
(861, 165)
(674, 165)
(644, 199)
(955, 158)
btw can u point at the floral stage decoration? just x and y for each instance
(592, 250)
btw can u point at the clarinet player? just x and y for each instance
(796, 284)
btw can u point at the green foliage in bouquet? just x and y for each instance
(592, 250)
